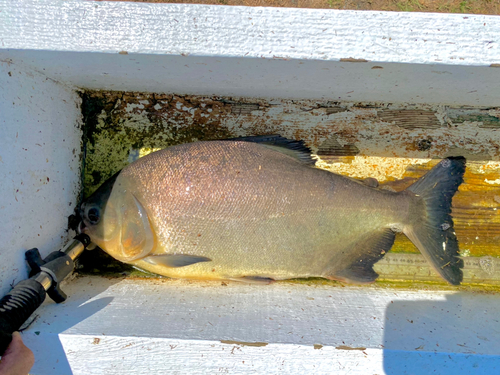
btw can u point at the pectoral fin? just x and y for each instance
(175, 260)
(364, 254)
(137, 238)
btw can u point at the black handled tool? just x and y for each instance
(45, 277)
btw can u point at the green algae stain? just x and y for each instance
(119, 125)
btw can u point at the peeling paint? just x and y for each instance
(376, 167)
(243, 343)
(345, 347)
(350, 59)
(490, 166)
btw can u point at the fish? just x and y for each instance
(256, 210)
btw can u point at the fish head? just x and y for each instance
(100, 218)
(117, 222)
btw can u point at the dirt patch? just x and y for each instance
(436, 6)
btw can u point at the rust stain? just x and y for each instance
(377, 67)
(345, 347)
(318, 346)
(495, 66)
(243, 343)
(351, 59)
(123, 53)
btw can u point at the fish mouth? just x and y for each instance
(81, 228)
(80, 210)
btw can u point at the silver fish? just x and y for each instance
(255, 209)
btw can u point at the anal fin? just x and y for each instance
(364, 254)
(252, 279)
(175, 260)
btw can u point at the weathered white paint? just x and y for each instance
(120, 326)
(257, 52)
(305, 34)
(39, 166)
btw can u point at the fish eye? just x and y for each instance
(93, 215)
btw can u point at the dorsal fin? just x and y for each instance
(290, 147)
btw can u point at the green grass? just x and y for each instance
(462, 7)
(334, 3)
(409, 5)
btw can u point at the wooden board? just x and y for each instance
(394, 143)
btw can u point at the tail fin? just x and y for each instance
(433, 234)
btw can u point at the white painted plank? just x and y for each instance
(182, 327)
(108, 326)
(268, 78)
(39, 166)
(201, 30)
(257, 52)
